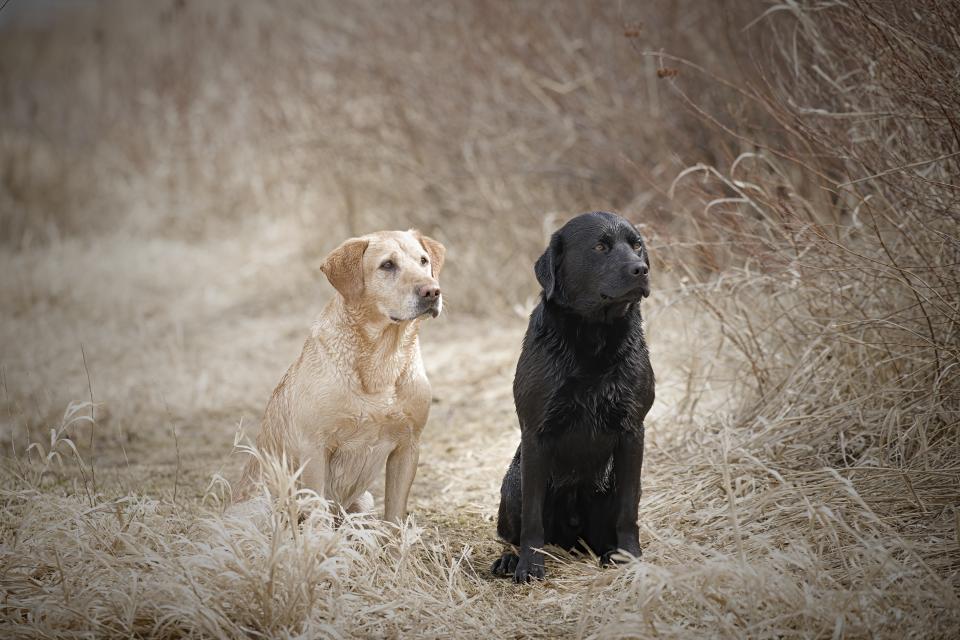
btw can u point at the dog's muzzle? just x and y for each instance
(432, 307)
(631, 294)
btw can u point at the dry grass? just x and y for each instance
(160, 241)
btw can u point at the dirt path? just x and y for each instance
(173, 337)
(192, 338)
(182, 343)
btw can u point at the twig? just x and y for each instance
(900, 168)
(93, 422)
(176, 444)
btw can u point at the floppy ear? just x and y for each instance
(344, 268)
(547, 264)
(434, 249)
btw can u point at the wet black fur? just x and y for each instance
(582, 389)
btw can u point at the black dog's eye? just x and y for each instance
(424, 260)
(387, 265)
(637, 246)
(600, 247)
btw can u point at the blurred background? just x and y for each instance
(483, 124)
(172, 174)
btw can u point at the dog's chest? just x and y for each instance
(591, 404)
(361, 443)
(373, 423)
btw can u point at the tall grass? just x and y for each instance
(846, 314)
(795, 166)
(837, 241)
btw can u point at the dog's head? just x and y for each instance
(392, 274)
(595, 265)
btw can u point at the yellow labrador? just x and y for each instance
(358, 397)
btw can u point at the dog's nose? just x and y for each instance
(639, 269)
(429, 291)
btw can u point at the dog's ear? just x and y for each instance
(434, 249)
(344, 268)
(547, 265)
(636, 227)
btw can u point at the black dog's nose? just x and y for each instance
(639, 269)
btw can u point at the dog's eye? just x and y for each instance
(424, 260)
(637, 246)
(387, 265)
(600, 247)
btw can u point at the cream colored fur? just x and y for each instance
(357, 399)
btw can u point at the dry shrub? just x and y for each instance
(136, 566)
(801, 482)
(848, 315)
(836, 242)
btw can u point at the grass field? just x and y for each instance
(168, 191)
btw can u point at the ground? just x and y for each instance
(180, 343)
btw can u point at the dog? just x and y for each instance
(582, 388)
(358, 397)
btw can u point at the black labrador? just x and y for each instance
(582, 389)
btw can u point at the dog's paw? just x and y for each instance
(529, 566)
(363, 504)
(618, 556)
(505, 565)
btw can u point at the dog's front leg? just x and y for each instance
(533, 485)
(627, 462)
(401, 470)
(314, 476)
